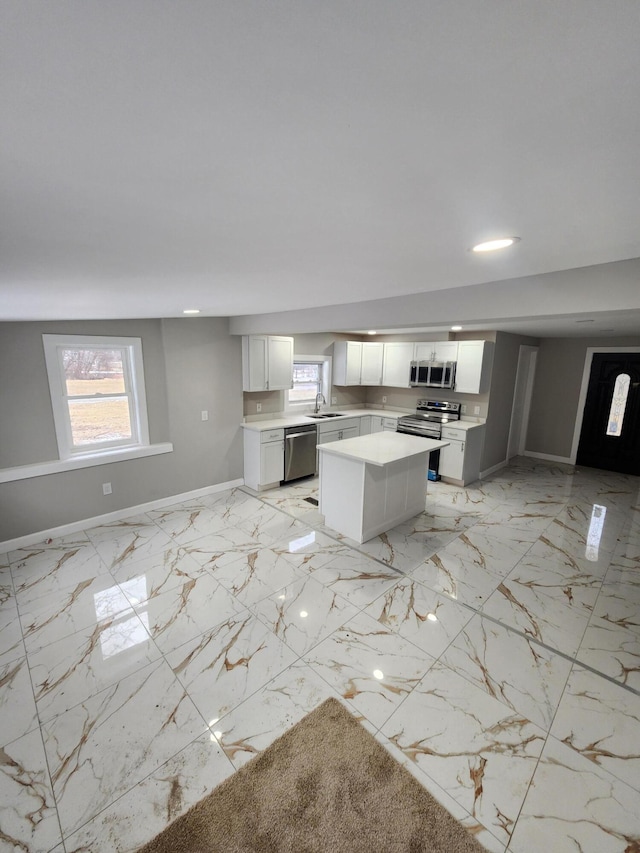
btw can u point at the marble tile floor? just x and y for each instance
(492, 644)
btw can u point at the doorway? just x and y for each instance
(522, 393)
(610, 432)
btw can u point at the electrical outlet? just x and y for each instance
(106, 488)
(334, 401)
(476, 410)
(463, 409)
(384, 399)
(258, 407)
(205, 415)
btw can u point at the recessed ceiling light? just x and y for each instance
(456, 328)
(373, 332)
(493, 245)
(191, 311)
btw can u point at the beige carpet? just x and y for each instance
(326, 786)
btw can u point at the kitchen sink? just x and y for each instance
(327, 415)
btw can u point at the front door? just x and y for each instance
(610, 435)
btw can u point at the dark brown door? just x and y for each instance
(610, 435)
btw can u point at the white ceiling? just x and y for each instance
(249, 157)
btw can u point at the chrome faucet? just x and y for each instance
(319, 402)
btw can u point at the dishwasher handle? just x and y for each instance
(297, 434)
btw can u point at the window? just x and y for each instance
(307, 382)
(311, 376)
(97, 393)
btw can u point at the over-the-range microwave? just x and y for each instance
(432, 374)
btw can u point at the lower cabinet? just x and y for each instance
(380, 424)
(460, 460)
(365, 425)
(348, 429)
(263, 458)
(452, 458)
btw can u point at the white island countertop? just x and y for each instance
(381, 448)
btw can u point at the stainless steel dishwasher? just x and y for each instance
(299, 451)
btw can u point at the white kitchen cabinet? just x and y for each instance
(381, 424)
(272, 462)
(349, 428)
(473, 369)
(365, 425)
(371, 366)
(452, 457)
(357, 363)
(267, 363)
(435, 351)
(347, 362)
(263, 458)
(396, 364)
(460, 460)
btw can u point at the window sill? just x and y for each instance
(40, 469)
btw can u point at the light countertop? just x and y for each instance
(381, 448)
(464, 425)
(298, 420)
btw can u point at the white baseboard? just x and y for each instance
(493, 469)
(84, 524)
(547, 457)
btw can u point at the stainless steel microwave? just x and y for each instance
(432, 374)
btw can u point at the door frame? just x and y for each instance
(582, 399)
(522, 394)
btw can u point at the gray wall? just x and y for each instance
(500, 399)
(27, 432)
(190, 365)
(556, 392)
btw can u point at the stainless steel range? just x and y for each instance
(429, 418)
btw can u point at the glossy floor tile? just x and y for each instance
(491, 644)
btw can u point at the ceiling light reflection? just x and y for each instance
(379, 674)
(432, 617)
(302, 542)
(596, 527)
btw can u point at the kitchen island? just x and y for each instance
(372, 483)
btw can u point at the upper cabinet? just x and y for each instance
(371, 370)
(473, 370)
(397, 364)
(357, 363)
(388, 364)
(435, 351)
(267, 363)
(347, 362)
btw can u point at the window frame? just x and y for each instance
(325, 361)
(135, 392)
